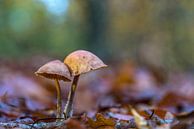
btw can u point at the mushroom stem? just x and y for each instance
(59, 102)
(68, 112)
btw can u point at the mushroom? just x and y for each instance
(56, 70)
(79, 62)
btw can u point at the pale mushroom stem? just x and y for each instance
(59, 102)
(68, 112)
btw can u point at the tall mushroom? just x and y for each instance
(79, 62)
(56, 70)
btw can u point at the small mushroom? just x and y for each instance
(55, 70)
(79, 62)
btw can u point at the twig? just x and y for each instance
(125, 125)
(157, 119)
(37, 121)
(40, 125)
(14, 125)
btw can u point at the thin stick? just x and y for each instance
(68, 112)
(41, 125)
(36, 122)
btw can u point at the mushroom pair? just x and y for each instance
(75, 64)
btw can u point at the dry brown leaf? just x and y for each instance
(101, 122)
(74, 124)
(187, 117)
(156, 111)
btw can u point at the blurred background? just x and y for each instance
(148, 45)
(156, 33)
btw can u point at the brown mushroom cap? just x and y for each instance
(54, 70)
(82, 61)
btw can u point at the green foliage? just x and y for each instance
(158, 33)
(26, 29)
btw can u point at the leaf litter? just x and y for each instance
(122, 97)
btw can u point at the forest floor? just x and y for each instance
(121, 96)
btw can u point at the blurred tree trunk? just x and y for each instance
(97, 15)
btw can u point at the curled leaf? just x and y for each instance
(140, 121)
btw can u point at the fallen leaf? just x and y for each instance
(140, 121)
(101, 122)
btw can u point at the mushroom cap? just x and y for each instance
(54, 70)
(82, 61)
